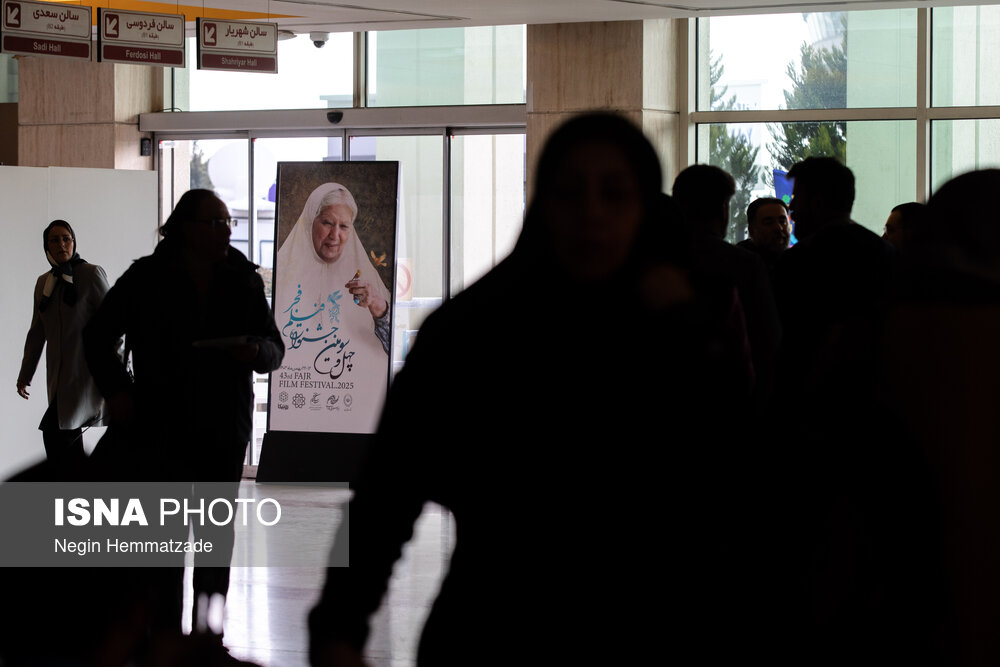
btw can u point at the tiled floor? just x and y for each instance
(267, 606)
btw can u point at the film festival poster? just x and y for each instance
(335, 373)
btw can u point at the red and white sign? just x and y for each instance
(238, 46)
(140, 37)
(45, 29)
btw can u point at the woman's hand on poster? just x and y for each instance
(22, 390)
(366, 297)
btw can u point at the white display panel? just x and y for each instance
(114, 214)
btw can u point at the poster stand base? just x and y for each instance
(288, 456)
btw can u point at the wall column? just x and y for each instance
(84, 114)
(629, 67)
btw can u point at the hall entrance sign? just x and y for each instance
(45, 29)
(237, 46)
(140, 38)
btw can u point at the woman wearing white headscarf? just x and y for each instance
(333, 312)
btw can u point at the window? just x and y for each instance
(880, 153)
(307, 78)
(808, 61)
(852, 85)
(966, 56)
(8, 78)
(447, 66)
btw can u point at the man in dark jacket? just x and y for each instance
(197, 323)
(769, 229)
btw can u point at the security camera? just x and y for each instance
(319, 38)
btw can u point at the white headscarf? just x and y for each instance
(326, 334)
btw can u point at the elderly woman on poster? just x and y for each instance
(333, 311)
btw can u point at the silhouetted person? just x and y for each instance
(197, 324)
(769, 229)
(935, 384)
(571, 514)
(85, 616)
(64, 299)
(703, 194)
(906, 225)
(856, 552)
(836, 273)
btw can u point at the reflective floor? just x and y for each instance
(266, 611)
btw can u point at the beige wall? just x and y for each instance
(84, 114)
(629, 67)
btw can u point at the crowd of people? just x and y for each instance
(723, 452)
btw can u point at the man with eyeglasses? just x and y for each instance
(196, 323)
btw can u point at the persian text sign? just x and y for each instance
(140, 37)
(239, 46)
(44, 28)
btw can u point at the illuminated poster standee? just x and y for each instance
(140, 38)
(336, 240)
(237, 46)
(45, 29)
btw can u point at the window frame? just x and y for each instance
(922, 112)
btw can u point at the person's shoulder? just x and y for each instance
(235, 260)
(710, 245)
(856, 238)
(741, 259)
(238, 265)
(746, 254)
(89, 270)
(143, 269)
(479, 302)
(858, 230)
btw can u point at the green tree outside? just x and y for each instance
(199, 169)
(819, 81)
(733, 152)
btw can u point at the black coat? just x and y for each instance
(193, 405)
(574, 441)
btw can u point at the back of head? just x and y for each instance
(910, 212)
(962, 216)
(702, 193)
(825, 178)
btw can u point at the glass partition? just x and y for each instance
(8, 78)
(814, 60)
(447, 66)
(420, 236)
(880, 153)
(966, 56)
(487, 203)
(958, 146)
(307, 78)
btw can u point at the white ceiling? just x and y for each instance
(360, 15)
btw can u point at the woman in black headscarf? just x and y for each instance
(64, 299)
(538, 407)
